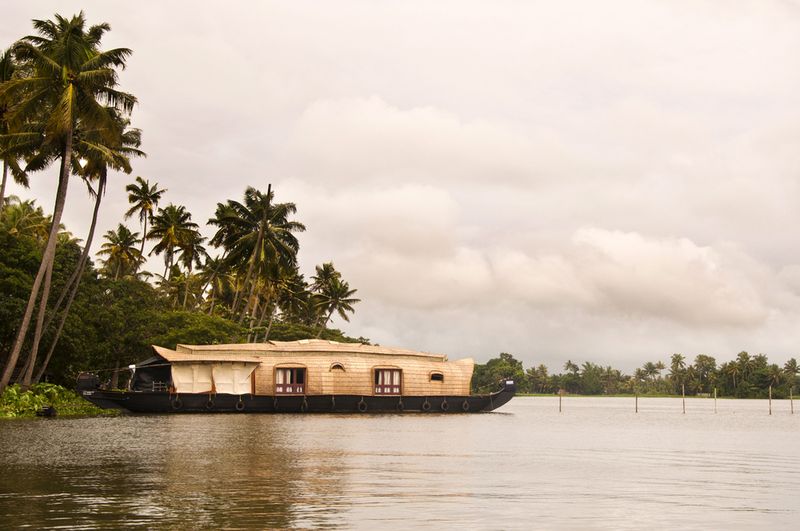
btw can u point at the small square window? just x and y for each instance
(388, 381)
(290, 381)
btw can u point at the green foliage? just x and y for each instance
(15, 403)
(753, 376)
(175, 327)
(296, 331)
(19, 260)
(487, 377)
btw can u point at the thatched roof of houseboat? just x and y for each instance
(253, 352)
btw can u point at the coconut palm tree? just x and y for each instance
(144, 199)
(214, 274)
(72, 81)
(99, 156)
(172, 227)
(192, 253)
(10, 160)
(120, 248)
(25, 219)
(677, 371)
(325, 274)
(258, 236)
(791, 369)
(336, 297)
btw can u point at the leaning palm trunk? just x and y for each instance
(47, 258)
(261, 318)
(3, 185)
(269, 323)
(37, 334)
(74, 281)
(141, 251)
(247, 302)
(249, 275)
(325, 323)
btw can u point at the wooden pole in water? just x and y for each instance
(715, 400)
(791, 399)
(683, 397)
(560, 394)
(770, 400)
(637, 402)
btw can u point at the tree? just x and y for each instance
(120, 248)
(792, 370)
(677, 371)
(336, 297)
(192, 253)
(487, 376)
(144, 199)
(258, 236)
(71, 80)
(325, 274)
(23, 219)
(100, 151)
(7, 69)
(172, 228)
(705, 370)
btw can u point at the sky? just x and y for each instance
(608, 181)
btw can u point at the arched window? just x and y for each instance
(437, 377)
(337, 367)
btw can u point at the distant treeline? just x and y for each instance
(745, 377)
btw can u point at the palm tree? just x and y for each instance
(25, 219)
(733, 370)
(775, 374)
(144, 200)
(705, 368)
(7, 69)
(214, 274)
(791, 369)
(172, 227)
(258, 236)
(120, 248)
(70, 80)
(192, 253)
(98, 155)
(336, 297)
(324, 276)
(677, 371)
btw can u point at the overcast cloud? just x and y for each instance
(606, 181)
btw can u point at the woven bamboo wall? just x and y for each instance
(357, 377)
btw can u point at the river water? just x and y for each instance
(595, 465)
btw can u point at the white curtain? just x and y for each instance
(194, 378)
(234, 378)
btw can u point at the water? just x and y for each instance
(596, 465)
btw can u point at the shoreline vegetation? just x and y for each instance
(745, 376)
(16, 403)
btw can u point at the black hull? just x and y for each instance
(159, 402)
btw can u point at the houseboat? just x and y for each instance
(296, 376)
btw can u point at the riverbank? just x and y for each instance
(15, 403)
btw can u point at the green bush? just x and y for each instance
(15, 403)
